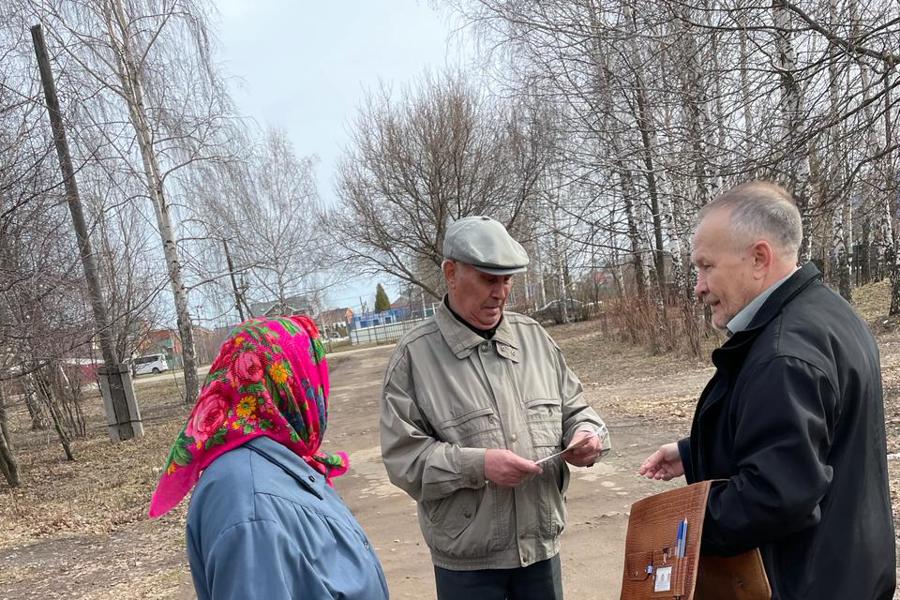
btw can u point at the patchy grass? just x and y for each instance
(872, 301)
(86, 520)
(79, 529)
(108, 483)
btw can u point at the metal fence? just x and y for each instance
(382, 334)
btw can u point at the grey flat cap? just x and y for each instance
(486, 245)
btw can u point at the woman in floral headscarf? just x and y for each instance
(264, 521)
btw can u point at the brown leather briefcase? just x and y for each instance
(662, 554)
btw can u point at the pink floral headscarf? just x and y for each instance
(269, 379)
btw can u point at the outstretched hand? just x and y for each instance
(664, 464)
(584, 449)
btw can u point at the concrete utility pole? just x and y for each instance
(122, 414)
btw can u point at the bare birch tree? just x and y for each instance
(151, 64)
(418, 161)
(687, 104)
(267, 208)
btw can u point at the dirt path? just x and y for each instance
(599, 497)
(63, 538)
(145, 559)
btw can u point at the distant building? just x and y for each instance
(162, 341)
(295, 305)
(335, 322)
(206, 345)
(168, 342)
(402, 302)
(413, 308)
(371, 319)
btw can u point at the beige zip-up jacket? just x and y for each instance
(448, 395)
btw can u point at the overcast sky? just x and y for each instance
(304, 66)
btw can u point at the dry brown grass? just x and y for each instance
(79, 529)
(85, 521)
(873, 300)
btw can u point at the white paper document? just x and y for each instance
(577, 444)
(663, 580)
(552, 456)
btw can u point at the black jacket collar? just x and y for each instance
(736, 347)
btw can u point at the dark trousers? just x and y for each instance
(540, 581)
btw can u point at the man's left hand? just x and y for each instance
(585, 452)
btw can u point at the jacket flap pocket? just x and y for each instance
(542, 402)
(544, 416)
(638, 565)
(450, 516)
(465, 418)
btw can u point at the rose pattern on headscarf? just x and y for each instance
(270, 378)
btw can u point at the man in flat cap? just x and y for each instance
(472, 400)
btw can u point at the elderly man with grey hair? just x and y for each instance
(793, 419)
(476, 404)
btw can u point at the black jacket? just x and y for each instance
(794, 419)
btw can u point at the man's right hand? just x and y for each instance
(507, 468)
(663, 464)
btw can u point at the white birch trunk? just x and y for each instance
(884, 234)
(720, 117)
(842, 224)
(673, 235)
(637, 250)
(797, 152)
(644, 121)
(131, 80)
(891, 191)
(747, 108)
(559, 261)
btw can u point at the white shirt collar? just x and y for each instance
(741, 321)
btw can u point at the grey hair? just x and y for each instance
(760, 209)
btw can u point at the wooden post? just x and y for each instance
(237, 294)
(122, 425)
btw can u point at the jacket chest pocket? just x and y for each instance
(544, 418)
(478, 428)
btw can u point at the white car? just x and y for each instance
(152, 363)
(552, 311)
(336, 338)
